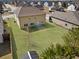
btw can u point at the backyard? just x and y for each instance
(37, 40)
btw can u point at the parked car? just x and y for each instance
(30, 55)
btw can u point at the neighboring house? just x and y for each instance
(48, 4)
(42, 1)
(56, 5)
(71, 8)
(31, 55)
(66, 19)
(12, 1)
(40, 7)
(1, 30)
(29, 16)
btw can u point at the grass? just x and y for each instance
(38, 41)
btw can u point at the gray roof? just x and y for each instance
(1, 25)
(70, 17)
(20, 3)
(1, 29)
(28, 11)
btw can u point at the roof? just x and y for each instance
(1, 25)
(70, 17)
(1, 29)
(20, 3)
(28, 11)
(40, 7)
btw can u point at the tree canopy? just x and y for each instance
(67, 51)
(72, 37)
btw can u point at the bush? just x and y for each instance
(60, 52)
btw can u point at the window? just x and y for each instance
(25, 24)
(31, 23)
(50, 19)
(65, 24)
(14, 21)
(4, 30)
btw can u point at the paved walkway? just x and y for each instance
(9, 56)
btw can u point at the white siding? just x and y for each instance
(63, 24)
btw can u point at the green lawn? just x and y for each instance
(38, 41)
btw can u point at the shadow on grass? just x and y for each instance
(14, 48)
(33, 45)
(42, 27)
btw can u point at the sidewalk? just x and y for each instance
(9, 56)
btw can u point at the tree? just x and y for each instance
(67, 51)
(48, 53)
(59, 49)
(58, 52)
(72, 38)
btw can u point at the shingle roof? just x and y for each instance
(1, 25)
(29, 11)
(71, 17)
(1, 29)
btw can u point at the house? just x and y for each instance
(66, 19)
(12, 1)
(71, 8)
(1, 30)
(28, 15)
(31, 55)
(50, 3)
(56, 5)
(40, 7)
